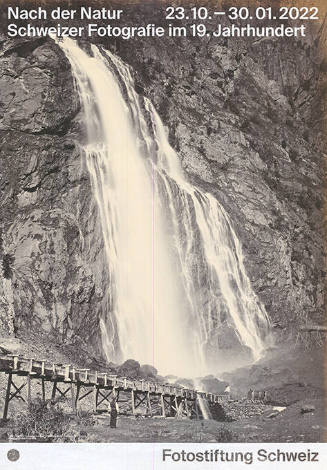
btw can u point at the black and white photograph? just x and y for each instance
(162, 222)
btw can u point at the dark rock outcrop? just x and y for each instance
(148, 372)
(53, 272)
(212, 385)
(129, 368)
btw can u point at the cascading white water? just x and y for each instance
(178, 286)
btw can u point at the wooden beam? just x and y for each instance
(197, 414)
(63, 393)
(176, 407)
(17, 392)
(78, 388)
(85, 394)
(133, 401)
(73, 397)
(29, 391)
(95, 398)
(67, 373)
(141, 400)
(186, 407)
(15, 365)
(54, 389)
(149, 407)
(105, 397)
(43, 389)
(162, 403)
(54, 371)
(5, 409)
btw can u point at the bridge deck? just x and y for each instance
(31, 368)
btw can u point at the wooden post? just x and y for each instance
(162, 402)
(176, 407)
(7, 399)
(196, 408)
(186, 407)
(78, 388)
(54, 389)
(149, 404)
(28, 390)
(180, 407)
(117, 400)
(133, 402)
(67, 372)
(43, 390)
(171, 406)
(15, 357)
(72, 390)
(95, 398)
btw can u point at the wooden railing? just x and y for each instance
(104, 385)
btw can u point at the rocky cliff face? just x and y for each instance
(247, 117)
(53, 276)
(247, 120)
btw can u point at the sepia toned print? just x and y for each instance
(162, 222)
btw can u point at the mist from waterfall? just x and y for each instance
(180, 298)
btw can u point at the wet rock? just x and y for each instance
(148, 371)
(242, 409)
(54, 274)
(4, 437)
(273, 414)
(129, 368)
(213, 385)
(36, 90)
(308, 409)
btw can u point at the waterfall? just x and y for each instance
(204, 407)
(180, 298)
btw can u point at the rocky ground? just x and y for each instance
(289, 425)
(294, 411)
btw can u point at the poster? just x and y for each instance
(162, 245)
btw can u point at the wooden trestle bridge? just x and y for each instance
(74, 384)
